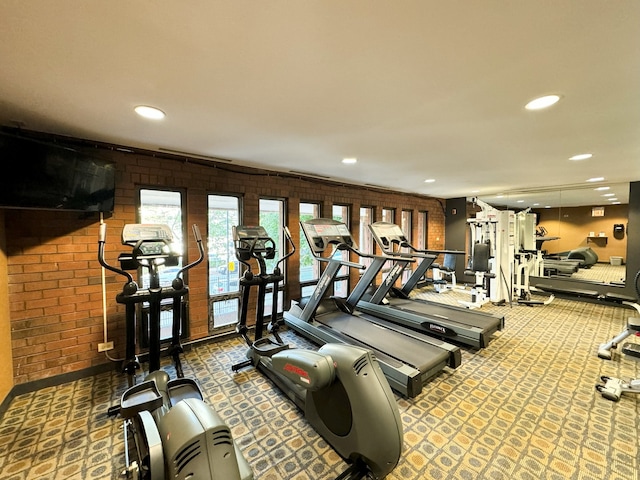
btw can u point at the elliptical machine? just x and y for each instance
(340, 388)
(176, 434)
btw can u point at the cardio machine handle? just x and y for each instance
(102, 238)
(344, 246)
(287, 235)
(198, 237)
(346, 263)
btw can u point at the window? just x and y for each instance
(165, 207)
(341, 283)
(405, 225)
(388, 215)
(309, 267)
(423, 230)
(223, 214)
(365, 241)
(272, 218)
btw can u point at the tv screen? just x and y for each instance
(45, 175)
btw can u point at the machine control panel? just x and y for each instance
(322, 232)
(387, 234)
(254, 237)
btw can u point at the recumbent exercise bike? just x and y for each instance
(176, 434)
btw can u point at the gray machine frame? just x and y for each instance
(453, 323)
(340, 388)
(408, 358)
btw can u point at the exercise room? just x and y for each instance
(319, 240)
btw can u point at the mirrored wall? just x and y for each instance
(578, 217)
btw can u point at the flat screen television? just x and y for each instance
(43, 175)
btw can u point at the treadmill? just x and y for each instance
(409, 359)
(456, 324)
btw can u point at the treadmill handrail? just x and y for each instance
(343, 246)
(346, 263)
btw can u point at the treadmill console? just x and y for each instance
(387, 234)
(322, 232)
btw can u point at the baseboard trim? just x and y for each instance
(56, 380)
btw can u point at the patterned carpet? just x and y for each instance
(602, 272)
(523, 408)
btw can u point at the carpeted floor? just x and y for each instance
(602, 272)
(525, 407)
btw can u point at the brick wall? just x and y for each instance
(54, 278)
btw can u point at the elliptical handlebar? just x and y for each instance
(102, 239)
(259, 246)
(287, 235)
(198, 237)
(139, 258)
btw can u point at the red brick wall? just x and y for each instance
(54, 278)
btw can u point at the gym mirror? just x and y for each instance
(571, 218)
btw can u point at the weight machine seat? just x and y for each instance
(448, 263)
(480, 259)
(486, 274)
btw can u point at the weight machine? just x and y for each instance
(492, 237)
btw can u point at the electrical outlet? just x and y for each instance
(103, 347)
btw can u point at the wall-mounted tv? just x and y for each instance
(43, 175)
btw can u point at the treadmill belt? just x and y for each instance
(458, 316)
(410, 350)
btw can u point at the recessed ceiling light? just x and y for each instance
(609, 195)
(349, 160)
(615, 203)
(475, 191)
(430, 180)
(602, 188)
(536, 204)
(542, 102)
(152, 113)
(581, 156)
(547, 206)
(500, 195)
(595, 179)
(520, 201)
(614, 199)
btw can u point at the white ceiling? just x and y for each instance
(414, 89)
